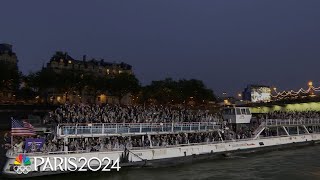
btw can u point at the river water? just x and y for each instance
(301, 163)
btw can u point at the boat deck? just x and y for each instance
(67, 130)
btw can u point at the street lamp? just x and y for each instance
(310, 83)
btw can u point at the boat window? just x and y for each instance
(229, 111)
(248, 111)
(238, 111)
(243, 111)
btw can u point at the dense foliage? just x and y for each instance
(44, 83)
(180, 91)
(163, 91)
(68, 81)
(9, 77)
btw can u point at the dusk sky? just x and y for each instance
(227, 43)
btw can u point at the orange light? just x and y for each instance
(226, 101)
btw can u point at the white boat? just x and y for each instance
(270, 134)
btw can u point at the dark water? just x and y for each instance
(302, 163)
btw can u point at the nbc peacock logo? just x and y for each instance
(22, 164)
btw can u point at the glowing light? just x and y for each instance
(226, 101)
(301, 92)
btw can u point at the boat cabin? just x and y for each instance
(237, 115)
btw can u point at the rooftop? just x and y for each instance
(6, 49)
(65, 57)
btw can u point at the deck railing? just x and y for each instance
(143, 128)
(292, 122)
(10, 152)
(133, 128)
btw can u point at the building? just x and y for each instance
(7, 55)
(257, 93)
(9, 79)
(63, 61)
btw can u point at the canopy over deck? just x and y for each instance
(114, 129)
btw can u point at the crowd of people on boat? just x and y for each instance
(71, 113)
(84, 113)
(291, 115)
(90, 144)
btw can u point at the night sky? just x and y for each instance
(227, 43)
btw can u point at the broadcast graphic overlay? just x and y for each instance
(22, 164)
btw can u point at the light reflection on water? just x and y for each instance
(302, 163)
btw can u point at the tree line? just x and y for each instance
(40, 83)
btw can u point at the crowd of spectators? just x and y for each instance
(91, 144)
(70, 113)
(83, 113)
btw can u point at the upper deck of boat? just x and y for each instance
(115, 129)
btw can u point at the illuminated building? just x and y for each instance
(62, 61)
(257, 93)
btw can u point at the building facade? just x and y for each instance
(62, 61)
(9, 73)
(257, 93)
(7, 55)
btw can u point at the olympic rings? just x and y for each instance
(22, 169)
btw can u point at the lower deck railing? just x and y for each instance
(290, 122)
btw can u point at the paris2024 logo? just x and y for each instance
(22, 164)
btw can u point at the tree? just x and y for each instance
(42, 81)
(9, 76)
(170, 91)
(164, 91)
(196, 89)
(123, 84)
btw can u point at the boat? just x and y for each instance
(224, 141)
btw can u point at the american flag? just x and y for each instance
(21, 128)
